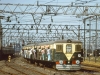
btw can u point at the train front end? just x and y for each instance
(69, 55)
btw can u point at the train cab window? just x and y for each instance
(59, 48)
(78, 48)
(69, 48)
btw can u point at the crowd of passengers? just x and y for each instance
(42, 52)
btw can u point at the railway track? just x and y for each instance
(83, 71)
(2, 67)
(23, 69)
(86, 70)
(11, 68)
(4, 73)
(90, 68)
(19, 66)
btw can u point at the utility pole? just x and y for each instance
(1, 17)
(79, 32)
(96, 34)
(89, 37)
(84, 50)
(96, 40)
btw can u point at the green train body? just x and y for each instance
(5, 51)
(65, 54)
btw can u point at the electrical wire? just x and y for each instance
(82, 2)
(49, 2)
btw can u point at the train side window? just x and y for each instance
(69, 48)
(78, 48)
(59, 48)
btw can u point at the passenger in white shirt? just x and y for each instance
(43, 53)
(49, 54)
(34, 52)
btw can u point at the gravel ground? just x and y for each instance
(32, 68)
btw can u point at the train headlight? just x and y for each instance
(68, 62)
(60, 62)
(77, 62)
(79, 55)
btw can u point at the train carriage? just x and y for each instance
(26, 51)
(5, 51)
(64, 54)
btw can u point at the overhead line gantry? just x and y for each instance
(81, 10)
(42, 9)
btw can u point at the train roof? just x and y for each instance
(29, 45)
(60, 41)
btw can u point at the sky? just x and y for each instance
(46, 2)
(60, 19)
(47, 19)
(49, 1)
(54, 2)
(34, 1)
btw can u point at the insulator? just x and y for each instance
(31, 26)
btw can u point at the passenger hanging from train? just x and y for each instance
(22, 53)
(49, 54)
(34, 53)
(30, 53)
(40, 53)
(43, 53)
(25, 52)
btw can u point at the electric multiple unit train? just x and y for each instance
(63, 54)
